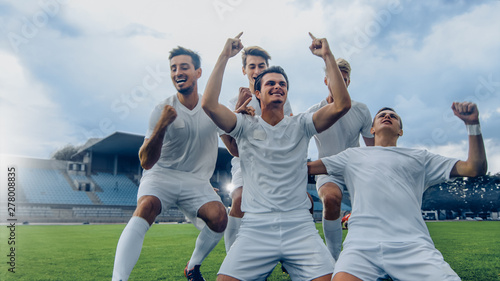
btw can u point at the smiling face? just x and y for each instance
(184, 75)
(254, 66)
(273, 89)
(387, 120)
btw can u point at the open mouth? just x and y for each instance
(180, 81)
(281, 93)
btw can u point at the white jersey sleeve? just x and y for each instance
(437, 168)
(367, 120)
(154, 118)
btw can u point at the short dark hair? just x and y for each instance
(254, 51)
(272, 69)
(184, 51)
(391, 109)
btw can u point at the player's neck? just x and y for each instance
(272, 114)
(386, 140)
(252, 88)
(189, 100)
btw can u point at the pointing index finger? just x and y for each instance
(312, 36)
(239, 35)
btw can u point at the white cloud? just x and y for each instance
(30, 123)
(469, 39)
(460, 151)
(117, 40)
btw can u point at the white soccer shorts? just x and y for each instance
(178, 188)
(399, 260)
(287, 237)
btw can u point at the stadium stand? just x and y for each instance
(116, 189)
(46, 186)
(98, 185)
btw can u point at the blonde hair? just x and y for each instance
(254, 51)
(344, 66)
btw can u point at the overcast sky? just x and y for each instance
(71, 70)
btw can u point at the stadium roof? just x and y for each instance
(117, 143)
(128, 144)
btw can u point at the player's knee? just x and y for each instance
(221, 220)
(216, 217)
(148, 208)
(331, 202)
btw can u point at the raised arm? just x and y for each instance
(222, 116)
(241, 107)
(329, 114)
(476, 164)
(150, 151)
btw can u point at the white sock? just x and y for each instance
(233, 226)
(206, 241)
(129, 248)
(333, 236)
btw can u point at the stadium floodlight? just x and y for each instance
(228, 187)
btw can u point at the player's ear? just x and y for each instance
(400, 133)
(198, 72)
(326, 81)
(372, 131)
(243, 70)
(257, 94)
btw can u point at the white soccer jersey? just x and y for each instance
(236, 177)
(345, 132)
(386, 185)
(190, 142)
(274, 162)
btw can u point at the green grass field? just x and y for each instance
(86, 252)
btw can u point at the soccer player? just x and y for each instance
(387, 234)
(277, 225)
(255, 60)
(179, 155)
(342, 135)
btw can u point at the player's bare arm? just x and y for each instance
(476, 164)
(316, 168)
(222, 116)
(329, 114)
(229, 141)
(150, 151)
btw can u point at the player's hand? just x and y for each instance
(245, 109)
(243, 96)
(168, 115)
(319, 46)
(466, 111)
(233, 46)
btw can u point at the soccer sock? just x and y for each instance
(206, 241)
(233, 226)
(332, 230)
(129, 248)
